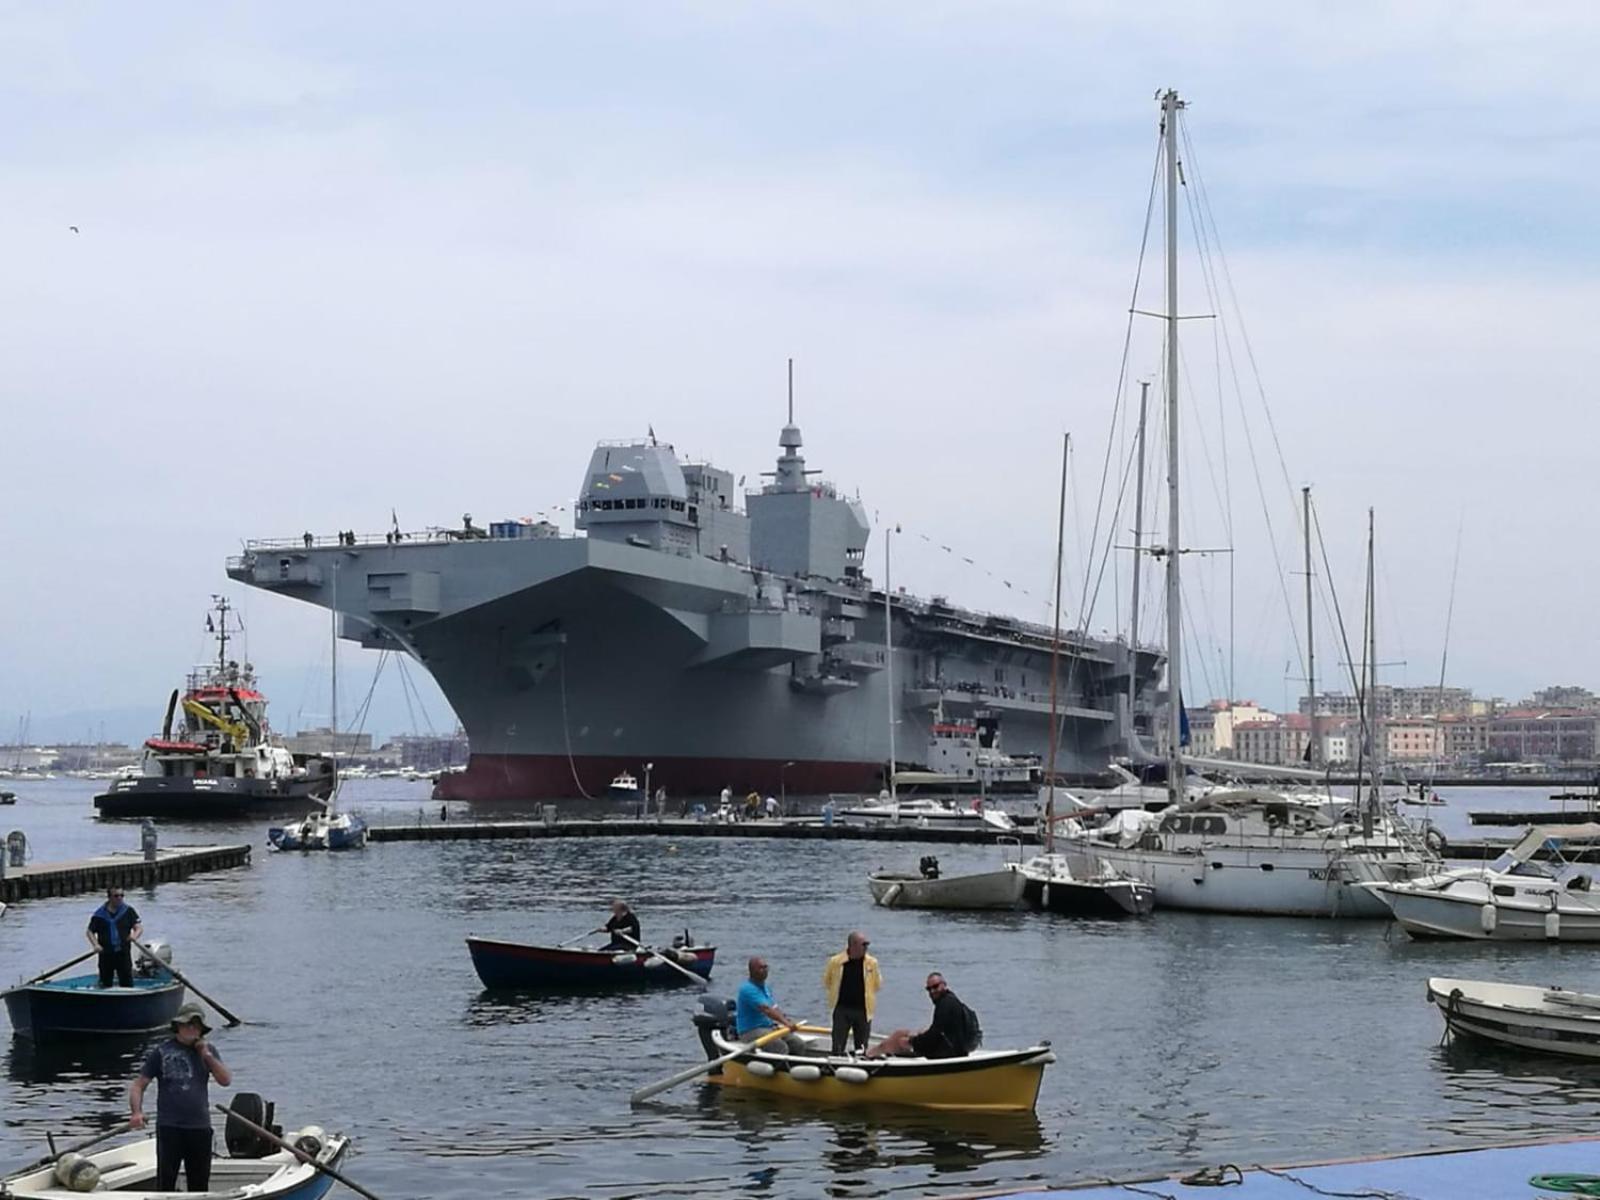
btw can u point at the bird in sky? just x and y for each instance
(74, 228)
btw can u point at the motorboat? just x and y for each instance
(1254, 850)
(1125, 785)
(926, 812)
(928, 888)
(1515, 898)
(254, 1167)
(1082, 886)
(624, 787)
(321, 831)
(559, 968)
(77, 1006)
(1549, 1019)
(983, 1081)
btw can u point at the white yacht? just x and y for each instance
(923, 811)
(1512, 899)
(1251, 850)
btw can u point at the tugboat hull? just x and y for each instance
(212, 799)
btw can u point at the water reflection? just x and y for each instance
(873, 1138)
(75, 1061)
(1492, 1090)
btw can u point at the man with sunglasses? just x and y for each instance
(851, 980)
(953, 1033)
(113, 929)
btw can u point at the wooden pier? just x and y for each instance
(126, 870)
(808, 830)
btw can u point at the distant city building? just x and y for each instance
(1276, 741)
(1580, 699)
(323, 740)
(431, 752)
(1410, 739)
(1549, 737)
(1390, 701)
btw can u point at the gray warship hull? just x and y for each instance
(569, 659)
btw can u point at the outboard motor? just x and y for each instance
(241, 1140)
(929, 866)
(716, 1012)
(159, 956)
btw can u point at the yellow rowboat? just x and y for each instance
(983, 1081)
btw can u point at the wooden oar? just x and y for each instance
(57, 970)
(73, 1149)
(579, 938)
(189, 983)
(676, 966)
(672, 1081)
(294, 1150)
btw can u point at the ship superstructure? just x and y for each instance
(730, 646)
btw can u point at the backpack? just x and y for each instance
(970, 1027)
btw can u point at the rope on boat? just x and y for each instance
(1365, 1194)
(1579, 1185)
(1213, 1176)
(566, 728)
(1452, 1013)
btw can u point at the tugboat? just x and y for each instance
(222, 762)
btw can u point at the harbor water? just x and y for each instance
(1183, 1039)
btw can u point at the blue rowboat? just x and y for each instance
(78, 1006)
(553, 968)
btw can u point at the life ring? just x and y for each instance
(1435, 841)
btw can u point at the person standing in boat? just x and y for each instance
(852, 979)
(111, 933)
(954, 1031)
(622, 921)
(185, 1064)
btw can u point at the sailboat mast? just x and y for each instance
(1138, 518)
(333, 642)
(1170, 104)
(1311, 653)
(1055, 658)
(888, 655)
(1375, 792)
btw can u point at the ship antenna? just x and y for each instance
(222, 633)
(791, 391)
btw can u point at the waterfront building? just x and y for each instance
(1525, 735)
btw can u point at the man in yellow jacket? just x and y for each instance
(852, 980)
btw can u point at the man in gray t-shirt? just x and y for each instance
(185, 1064)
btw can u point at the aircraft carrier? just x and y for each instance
(727, 646)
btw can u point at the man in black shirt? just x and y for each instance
(622, 921)
(111, 933)
(953, 1033)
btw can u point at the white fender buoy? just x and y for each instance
(652, 964)
(891, 896)
(1044, 896)
(622, 960)
(1049, 1056)
(686, 958)
(1552, 925)
(805, 1073)
(851, 1074)
(761, 1070)
(1488, 917)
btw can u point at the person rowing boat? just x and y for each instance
(622, 921)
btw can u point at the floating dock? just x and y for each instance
(1549, 816)
(125, 870)
(1507, 1172)
(472, 831)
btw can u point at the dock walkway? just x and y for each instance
(807, 830)
(81, 875)
(1487, 1173)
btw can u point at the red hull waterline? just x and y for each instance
(555, 777)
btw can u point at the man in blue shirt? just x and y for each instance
(185, 1064)
(755, 1013)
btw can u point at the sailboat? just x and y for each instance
(329, 830)
(1242, 849)
(1077, 885)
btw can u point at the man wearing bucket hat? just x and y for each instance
(185, 1064)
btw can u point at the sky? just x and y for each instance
(336, 260)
